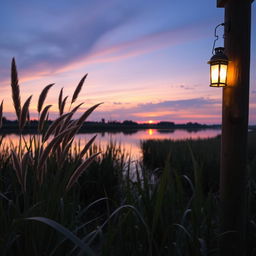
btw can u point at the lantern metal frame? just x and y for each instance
(220, 60)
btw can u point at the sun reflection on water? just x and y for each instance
(150, 132)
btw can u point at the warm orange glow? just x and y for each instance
(150, 132)
(223, 73)
(154, 114)
(218, 75)
(150, 121)
(215, 73)
(232, 73)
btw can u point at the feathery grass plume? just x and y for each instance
(46, 152)
(60, 99)
(63, 103)
(15, 89)
(43, 118)
(67, 120)
(64, 153)
(66, 138)
(47, 117)
(78, 89)
(79, 171)
(52, 143)
(78, 123)
(70, 135)
(42, 97)
(53, 126)
(84, 116)
(24, 113)
(73, 111)
(87, 146)
(1, 113)
(28, 117)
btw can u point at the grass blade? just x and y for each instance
(79, 171)
(68, 234)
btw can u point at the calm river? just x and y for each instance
(130, 140)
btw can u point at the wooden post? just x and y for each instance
(233, 176)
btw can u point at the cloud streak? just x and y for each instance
(194, 109)
(52, 37)
(54, 42)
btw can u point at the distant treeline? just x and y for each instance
(12, 126)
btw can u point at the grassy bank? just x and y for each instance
(205, 151)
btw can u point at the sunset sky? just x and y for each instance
(145, 59)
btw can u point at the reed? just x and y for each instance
(1, 114)
(15, 89)
(63, 104)
(35, 169)
(24, 113)
(60, 100)
(78, 89)
(42, 97)
(43, 117)
(55, 124)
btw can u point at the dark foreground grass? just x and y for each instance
(205, 153)
(162, 211)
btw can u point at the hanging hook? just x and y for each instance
(216, 36)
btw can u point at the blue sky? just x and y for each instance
(146, 60)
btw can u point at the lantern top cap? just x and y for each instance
(219, 56)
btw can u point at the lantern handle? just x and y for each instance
(216, 36)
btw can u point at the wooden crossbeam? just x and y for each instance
(221, 3)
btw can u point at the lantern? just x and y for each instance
(218, 68)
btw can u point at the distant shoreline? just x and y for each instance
(126, 127)
(129, 128)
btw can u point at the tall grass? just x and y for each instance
(58, 198)
(198, 162)
(205, 151)
(39, 175)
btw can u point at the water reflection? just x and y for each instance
(150, 132)
(130, 140)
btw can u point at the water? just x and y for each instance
(130, 140)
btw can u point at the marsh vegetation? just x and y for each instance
(59, 199)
